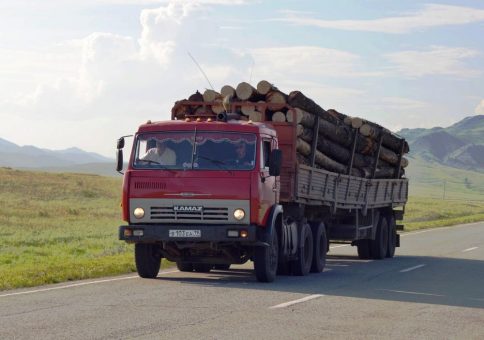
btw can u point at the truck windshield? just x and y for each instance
(212, 151)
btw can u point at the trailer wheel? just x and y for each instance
(379, 245)
(184, 266)
(320, 244)
(148, 260)
(392, 236)
(222, 266)
(266, 258)
(305, 252)
(363, 247)
(202, 267)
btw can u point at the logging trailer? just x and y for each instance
(206, 212)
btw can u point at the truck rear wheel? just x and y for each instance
(392, 236)
(379, 245)
(305, 252)
(148, 260)
(265, 260)
(320, 244)
(184, 266)
(363, 247)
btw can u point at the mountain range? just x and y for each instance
(460, 145)
(31, 157)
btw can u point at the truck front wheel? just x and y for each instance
(148, 260)
(265, 260)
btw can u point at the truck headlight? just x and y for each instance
(139, 212)
(239, 214)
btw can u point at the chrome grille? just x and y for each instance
(207, 214)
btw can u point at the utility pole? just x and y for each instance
(445, 182)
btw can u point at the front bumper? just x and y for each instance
(205, 233)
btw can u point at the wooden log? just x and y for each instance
(227, 90)
(211, 95)
(261, 106)
(276, 100)
(264, 87)
(334, 150)
(390, 140)
(301, 117)
(347, 120)
(255, 116)
(247, 109)
(298, 99)
(278, 117)
(338, 115)
(245, 91)
(218, 106)
(356, 122)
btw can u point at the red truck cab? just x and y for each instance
(199, 192)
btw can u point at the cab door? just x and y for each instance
(269, 193)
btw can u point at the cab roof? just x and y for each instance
(231, 125)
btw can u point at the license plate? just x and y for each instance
(185, 233)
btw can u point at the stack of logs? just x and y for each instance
(336, 131)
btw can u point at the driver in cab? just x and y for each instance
(160, 154)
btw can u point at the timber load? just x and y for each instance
(326, 139)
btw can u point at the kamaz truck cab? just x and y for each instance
(213, 205)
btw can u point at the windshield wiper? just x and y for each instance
(155, 162)
(221, 164)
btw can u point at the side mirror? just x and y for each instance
(119, 161)
(120, 143)
(275, 162)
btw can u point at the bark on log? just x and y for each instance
(276, 99)
(391, 141)
(338, 115)
(227, 90)
(245, 91)
(348, 120)
(196, 97)
(297, 99)
(301, 117)
(211, 95)
(278, 117)
(264, 87)
(334, 150)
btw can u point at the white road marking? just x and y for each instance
(293, 302)
(341, 245)
(469, 249)
(80, 284)
(408, 292)
(411, 268)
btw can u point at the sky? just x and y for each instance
(82, 73)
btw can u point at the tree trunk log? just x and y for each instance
(391, 141)
(211, 95)
(297, 99)
(264, 87)
(227, 90)
(245, 91)
(255, 116)
(218, 106)
(278, 117)
(247, 109)
(276, 100)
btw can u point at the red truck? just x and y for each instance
(205, 209)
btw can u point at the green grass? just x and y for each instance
(61, 227)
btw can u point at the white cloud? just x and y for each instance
(479, 110)
(438, 60)
(431, 15)
(307, 61)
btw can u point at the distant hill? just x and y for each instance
(31, 157)
(460, 145)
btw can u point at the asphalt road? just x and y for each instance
(433, 288)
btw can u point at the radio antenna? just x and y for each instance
(251, 69)
(201, 70)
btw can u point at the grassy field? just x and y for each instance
(61, 227)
